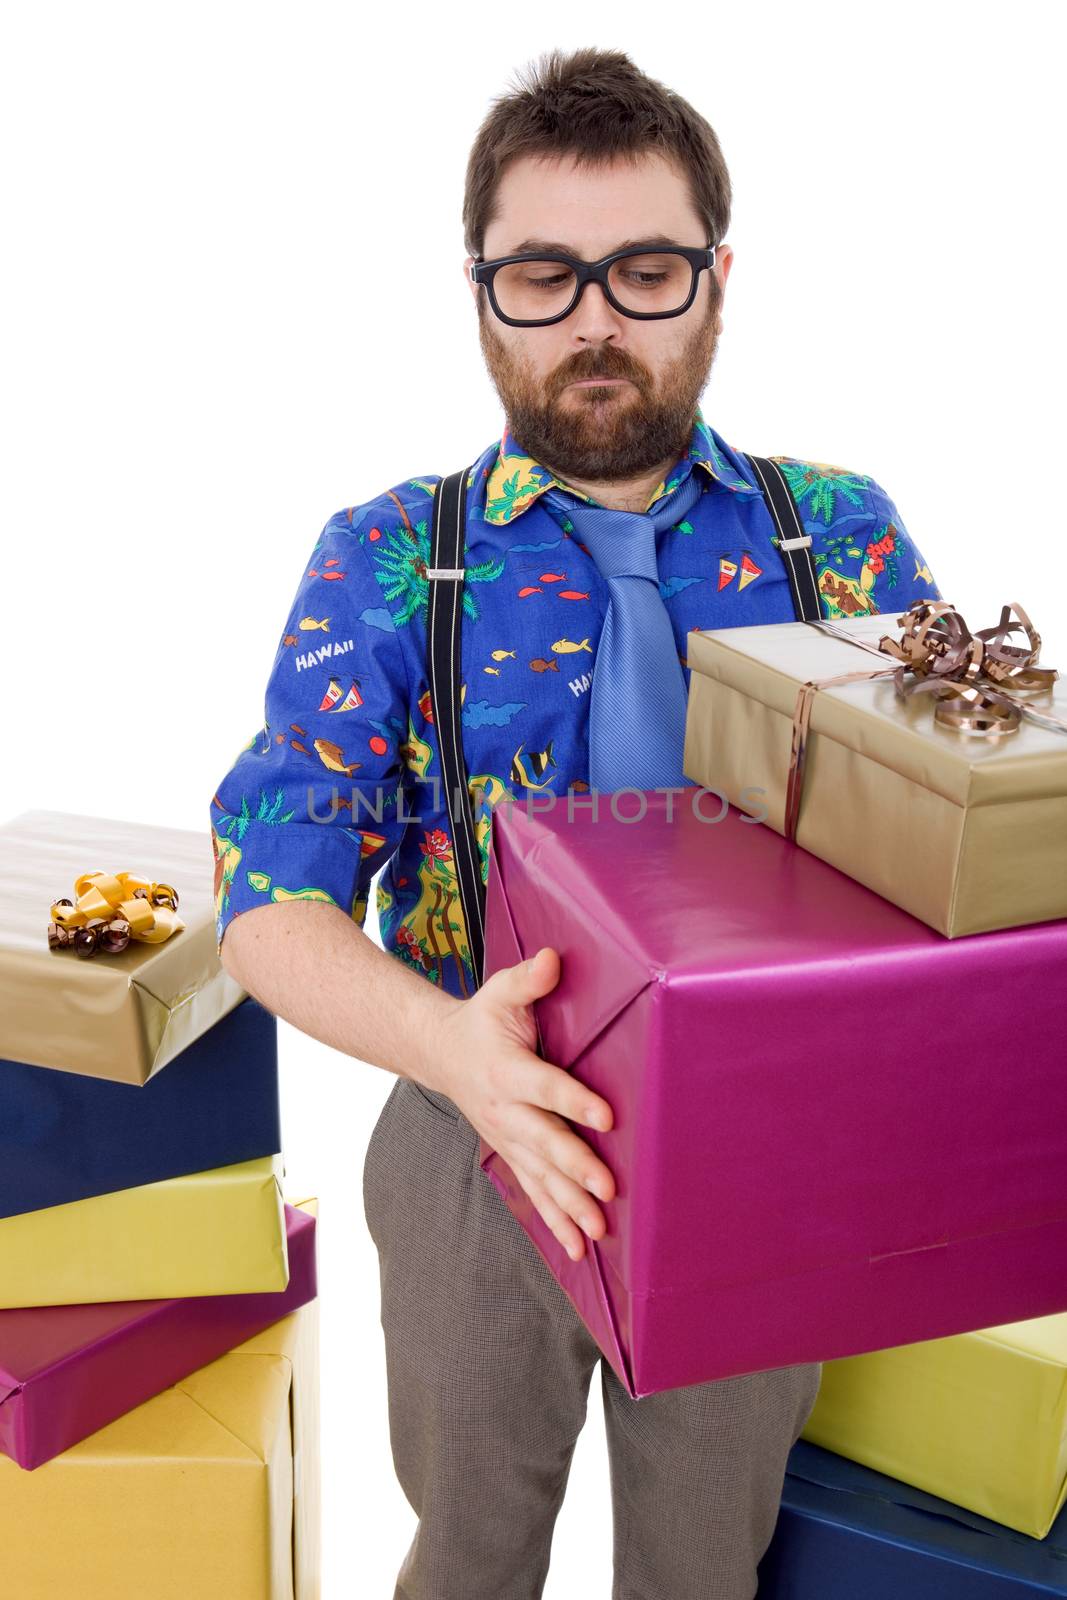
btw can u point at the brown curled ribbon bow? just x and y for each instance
(110, 910)
(978, 678)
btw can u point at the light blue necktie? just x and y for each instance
(638, 697)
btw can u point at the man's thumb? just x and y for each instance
(538, 974)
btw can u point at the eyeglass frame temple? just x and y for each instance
(698, 256)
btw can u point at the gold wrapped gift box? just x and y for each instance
(966, 833)
(209, 1489)
(109, 1016)
(215, 1232)
(979, 1419)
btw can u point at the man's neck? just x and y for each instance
(626, 494)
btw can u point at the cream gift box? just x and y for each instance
(967, 834)
(111, 1016)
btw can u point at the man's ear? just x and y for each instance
(473, 287)
(724, 260)
(724, 257)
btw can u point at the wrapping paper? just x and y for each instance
(806, 1165)
(211, 1488)
(122, 1017)
(65, 1136)
(979, 1419)
(967, 833)
(845, 1533)
(66, 1371)
(215, 1232)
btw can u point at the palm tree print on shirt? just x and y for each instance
(819, 485)
(401, 557)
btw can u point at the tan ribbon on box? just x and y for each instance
(111, 909)
(976, 677)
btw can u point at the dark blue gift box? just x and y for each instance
(847, 1533)
(65, 1136)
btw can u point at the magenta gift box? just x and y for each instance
(835, 1130)
(66, 1371)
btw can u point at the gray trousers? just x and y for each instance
(488, 1367)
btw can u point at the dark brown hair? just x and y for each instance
(596, 106)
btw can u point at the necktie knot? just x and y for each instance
(623, 543)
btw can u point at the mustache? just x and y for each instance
(598, 367)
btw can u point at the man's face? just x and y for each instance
(603, 432)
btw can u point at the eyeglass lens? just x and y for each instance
(641, 283)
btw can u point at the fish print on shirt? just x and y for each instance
(341, 785)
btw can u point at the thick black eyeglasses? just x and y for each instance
(646, 281)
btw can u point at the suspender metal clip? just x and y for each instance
(445, 572)
(801, 542)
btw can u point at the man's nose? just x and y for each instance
(594, 317)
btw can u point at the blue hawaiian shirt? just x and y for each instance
(348, 735)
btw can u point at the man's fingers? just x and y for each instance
(564, 1095)
(523, 1078)
(539, 1083)
(565, 1166)
(570, 1194)
(561, 1224)
(546, 1140)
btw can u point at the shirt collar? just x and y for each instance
(516, 480)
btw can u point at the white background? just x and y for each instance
(234, 304)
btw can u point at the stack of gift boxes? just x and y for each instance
(949, 798)
(830, 1013)
(158, 1310)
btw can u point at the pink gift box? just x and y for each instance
(835, 1130)
(66, 1371)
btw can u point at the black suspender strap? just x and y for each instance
(444, 625)
(793, 543)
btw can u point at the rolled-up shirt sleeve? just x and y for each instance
(315, 804)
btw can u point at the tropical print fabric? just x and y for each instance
(343, 779)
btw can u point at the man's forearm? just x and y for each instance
(310, 964)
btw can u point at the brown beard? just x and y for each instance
(601, 439)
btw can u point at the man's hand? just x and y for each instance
(490, 1069)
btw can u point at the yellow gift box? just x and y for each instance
(216, 1232)
(109, 1016)
(210, 1489)
(979, 1419)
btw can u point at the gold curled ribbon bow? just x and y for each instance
(111, 909)
(977, 678)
